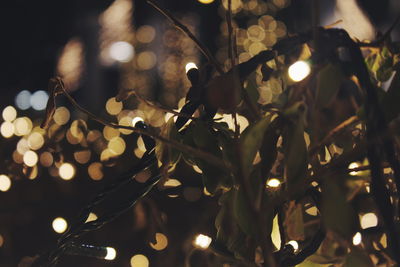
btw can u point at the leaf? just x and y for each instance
(168, 155)
(268, 149)
(307, 263)
(357, 257)
(329, 80)
(295, 153)
(266, 71)
(250, 142)
(337, 214)
(224, 91)
(242, 213)
(382, 66)
(294, 222)
(203, 138)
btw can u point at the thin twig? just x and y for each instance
(350, 121)
(230, 31)
(378, 42)
(155, 106)
(186, 31)
(184, 148)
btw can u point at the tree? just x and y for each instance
(311, 181)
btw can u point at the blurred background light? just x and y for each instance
(121, 51)
(38, 100)
(30, 158)
(161, 242)
(5, 183)
(9, 113)
(273, 182)
(357, 238)
(23, 100)
(7, 129)
(369, 220)
(294, 244)
(139, 260)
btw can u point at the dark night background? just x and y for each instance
(33, 34)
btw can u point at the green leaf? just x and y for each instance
(295, 153)
(250, 142)
(242, 213)
(307, 263)
(382, 66)
(329, 80)
(205, 139)
(337, 213)
(357, 257)
(268, 149)
(168, 155)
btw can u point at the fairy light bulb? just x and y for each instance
(299, 71)
(202, 241)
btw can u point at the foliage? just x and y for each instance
(306, 138)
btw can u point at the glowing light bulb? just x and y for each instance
(369, 220)
(299, 70)
(121, 51)
(273, 182)
(136, 119)
(9, 113)
(111, 254)
(206, 1)
(59, 225)
(294, 244)
(202, 241)
(189, 66)
(357, 238)
(354, 165)
(5, 183)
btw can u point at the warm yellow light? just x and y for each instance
(92, 217)
(121, 51)
(35, 140)
(206, 1)
(1, 241)
(273, 182)
(357, 238)
(113, 107)
(369, 220)
(161, 242)
(299, 70)
(9, 113)
(66, 171)
(145, 34)
(139, 260)
(111, 254)
(354, 165)
(22, 126)
(202, 241)
(5, 183)
(82, 156)
(7, 129)
(61, 115)
(190, 65)
(30, 158)
(109, 133)
(125, 121)
(95, 171)
(294, 244)
(59, 225)
(117, 146)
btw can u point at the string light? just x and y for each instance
(299, 71)
(161, 242)
(353, 165)
(111, 254)
(23, 100)
(273, 182)
(66, 171)
(30, 158)
(121, 51)
(294, 244)
(38, 100)
(59, 225)
(9, 113)
(202, 241)
(369, 220)
(357, 238)
(189, 66)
